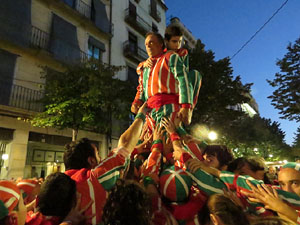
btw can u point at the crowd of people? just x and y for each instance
(159, 174)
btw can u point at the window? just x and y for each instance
(133, 43)
(94, 52)
(95, 48)
(154, 28)
(70, 3)
(132, 10)
(93, 12)
(153, 7)
(132, 76)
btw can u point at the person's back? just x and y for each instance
(92, 178)
(82, 165)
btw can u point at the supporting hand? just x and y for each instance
(185, 115)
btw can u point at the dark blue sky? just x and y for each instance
(225, 25)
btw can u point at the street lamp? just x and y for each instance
(212, 135)
(5, 156)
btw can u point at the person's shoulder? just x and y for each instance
(182, 52)
(171, 54)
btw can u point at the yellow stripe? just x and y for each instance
(159, 76)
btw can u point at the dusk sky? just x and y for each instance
(225, 25)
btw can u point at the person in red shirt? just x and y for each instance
(94, 178)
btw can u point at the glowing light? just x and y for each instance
(5, 156)
(212, 135)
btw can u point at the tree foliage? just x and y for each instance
(220, 92)
(217, 108)
(257, 136)
(85, 96)
(296, 142)
(286, 97)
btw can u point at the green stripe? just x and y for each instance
(145, 82)
(208, 183)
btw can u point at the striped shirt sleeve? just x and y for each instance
(238, 183)
(140, 68)
(207, 182)
(108, 171)
(153, 164)
(178, 68)
(140, 95)
(194, 150)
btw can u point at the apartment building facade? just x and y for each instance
(54, 33)
(35, 33)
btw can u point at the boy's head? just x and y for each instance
(217, 156)
(81, 154)
(251, 166)
(57, 196)
(289, 177)
(173, 37)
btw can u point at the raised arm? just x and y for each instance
(130, 137)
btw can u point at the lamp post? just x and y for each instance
(212, 136)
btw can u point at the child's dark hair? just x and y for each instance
(172, 31)
(223, 154)
(128, 203)
(226, 210)
(77, 153)
(57, 196)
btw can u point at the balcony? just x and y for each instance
(83, 8)
(133, 52)
(20, 97)
(155, 14)
(39, 38)
(134, 20)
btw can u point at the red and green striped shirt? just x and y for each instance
(168, 75)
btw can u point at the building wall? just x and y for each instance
(42, 18)
(18, 147)
(27, 74)
(121, 29)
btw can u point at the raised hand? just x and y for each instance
(148, 63)
(168, 125)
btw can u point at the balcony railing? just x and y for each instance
(132, 51)
(137, 22)
(39, 38)
(155, 14)
(83, 56)
(20, 97)
(86, 10)
(83, 8)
